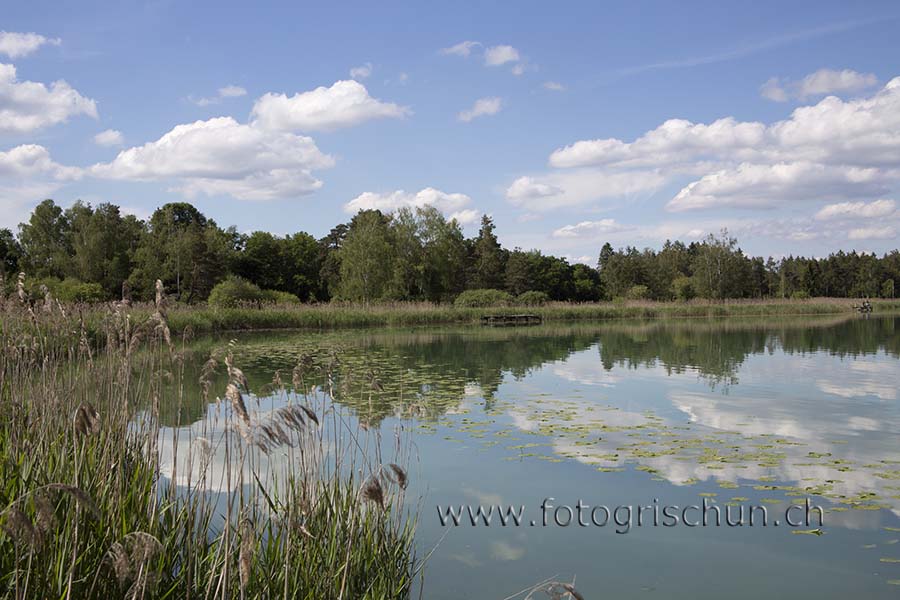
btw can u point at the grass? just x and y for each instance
(286, 500)
(324, 316)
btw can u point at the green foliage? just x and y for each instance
(289, 264)
(72, 290)
(800, 295)
(532, 298)
(366, 258)
(483, 298)
(184, 249)
(683, 288)
(638, 292)
(87, 514)
(10, 254)
(488, 259)
(235, 291)
(411, 255)
(586, 284)
(279, 297)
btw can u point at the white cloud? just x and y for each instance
(518, 69)
(223, 157)
(872, 233)
(525, 188)
(820, 83)
(588, 229)
(468, 216)
(554, 86)
(857, 210)
(675, 141)
(26, 106)
(32, 160)
(762, 186)
(229, 91)
(16, 45)
(110, 137)
(576, 187)
(496, 56)
(834, 151)
(453, 205)
(482, 107)
(773, 90)
(232, 91)
(27, 176)
(344, 104)
(463, 49)
(362, 71)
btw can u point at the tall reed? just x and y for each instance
(263, 498)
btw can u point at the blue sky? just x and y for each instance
(572, 123)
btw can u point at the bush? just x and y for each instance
(684, 288)
(638, 292)
(532, 298)
(483, 298)
(66, 290)
(800, 295)
(234, 291)
(279, 297)
(73, 290)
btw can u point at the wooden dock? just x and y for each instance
(510, 320)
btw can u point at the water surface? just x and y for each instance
(765, 412)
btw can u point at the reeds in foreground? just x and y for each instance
(98, 500)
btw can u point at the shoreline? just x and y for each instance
(204, 320)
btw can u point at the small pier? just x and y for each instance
(510, 320)
(865, 307)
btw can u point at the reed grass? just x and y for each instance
(336, 315)
(98, 500)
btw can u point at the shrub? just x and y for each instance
(532, 298)
(483, 298)
(234, 291)
(800, 295)
(73, 290)
(66, 290)
(279, 297)
(684, 288)
(638, 292)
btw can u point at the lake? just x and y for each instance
(739, 412)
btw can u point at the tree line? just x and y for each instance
(99, 253)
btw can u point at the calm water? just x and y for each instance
(742, 411)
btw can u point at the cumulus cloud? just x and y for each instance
(16, 45)
(26, 106)
(27, 175)
(229, 91)
(447, 203)
(482, 107)
(110, 137)
(496, 56)
(525, 188)
(763, 186)
(835, 151)
(468, 216)
(857, 210)
(344, 104)
(872, 233)
(820, 83)
(361, 72)
(588, 229)
(223, 157)
(575, 187)
(463, 49)
(32, 160)
(554, 86)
